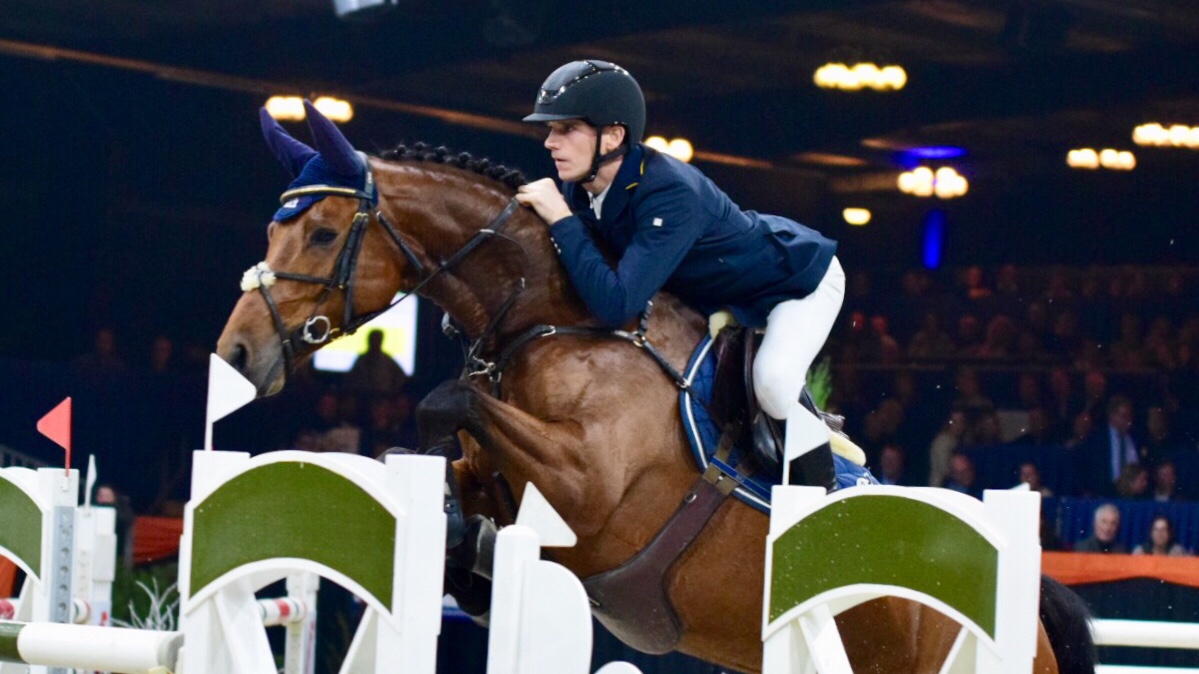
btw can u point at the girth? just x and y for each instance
(632, 600)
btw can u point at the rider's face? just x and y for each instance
(571, 144)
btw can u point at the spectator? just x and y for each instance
(1031, 476)
(382, 431)
(1028, 390)
(1035, 333)
(103, 359)
(1094, 393)
(1037, 432)
(883, 425)
(963, 477)
(1165, 482)
(856, 344)
(1081, 430)
(999, 341)
(162, 353)
(1064, 341)
(1106, 529)
(375, 373)
(970, 396)
(1160, 345)
(1158, 445)
(969, 335)
(1109, 449)
(931, 341)
(106, 495)
(944, 446)
(1127, 352)
(976, 286)
(333, 428)
(1133, 482)
(1049, 538)
(1161, 540)
(1063, 405)
(884, 344)
(1058, 289)
(1007, 281)
(985, 431)
(891, 466)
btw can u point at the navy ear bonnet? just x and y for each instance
(334, 163)
(318, 172)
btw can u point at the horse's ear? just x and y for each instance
(292, 153)
(334, 148)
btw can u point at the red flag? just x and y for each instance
(56, 425)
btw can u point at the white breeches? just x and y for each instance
(795, 333)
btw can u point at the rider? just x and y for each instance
(670, 227)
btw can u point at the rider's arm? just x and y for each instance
(668, 223)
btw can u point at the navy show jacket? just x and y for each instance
(670, 227)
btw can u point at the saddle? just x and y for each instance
(733, 401)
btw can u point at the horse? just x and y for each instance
(592, 420)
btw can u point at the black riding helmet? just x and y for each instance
(599, 93)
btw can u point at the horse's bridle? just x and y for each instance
(317, 328)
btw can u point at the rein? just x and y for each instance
(318, 329)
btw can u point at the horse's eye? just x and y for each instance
(322, 236)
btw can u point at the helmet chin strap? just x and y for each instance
(598, 160)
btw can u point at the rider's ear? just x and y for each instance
(613, 136)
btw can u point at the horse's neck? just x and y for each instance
(478, 287)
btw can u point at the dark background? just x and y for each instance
(134, 187)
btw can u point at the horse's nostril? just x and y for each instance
(238, 357)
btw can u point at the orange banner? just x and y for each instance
(155, 538)
(8, 578)
(1076, 568)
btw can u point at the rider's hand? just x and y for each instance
(543, 196)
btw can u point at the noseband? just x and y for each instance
(317, 328)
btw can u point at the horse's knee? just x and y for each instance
(443, 412)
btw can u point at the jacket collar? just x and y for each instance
(627, 178)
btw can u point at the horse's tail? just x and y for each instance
(1067, 621)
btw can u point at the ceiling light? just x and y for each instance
(856, 216)
(1177, 135)
(1085, 158)
(679, 148)
(335, 109)
(291, 108)
(859, 76)
(945, 182)
(1108, 158)
(285, 108)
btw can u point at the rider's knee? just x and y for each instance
(776, 389)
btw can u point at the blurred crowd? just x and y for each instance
(1101, 364)
(1078, 382)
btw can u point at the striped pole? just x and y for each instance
(282, 611)
(109, 649)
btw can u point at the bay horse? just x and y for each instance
(593, 421)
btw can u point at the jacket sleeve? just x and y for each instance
(668, 223)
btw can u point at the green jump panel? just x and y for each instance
(21, 532)
(886, 540)
(299, 510)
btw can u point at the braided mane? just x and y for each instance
(508, 177)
